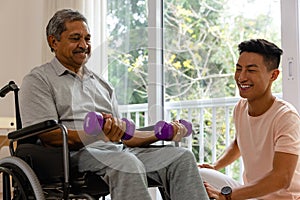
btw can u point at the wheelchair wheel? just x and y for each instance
(22, 183)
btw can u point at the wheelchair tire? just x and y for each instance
(25, 183)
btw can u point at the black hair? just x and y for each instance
(270, 52)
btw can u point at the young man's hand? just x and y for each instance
(212, 192)
(205, 165)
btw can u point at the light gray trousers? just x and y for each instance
(126, 170)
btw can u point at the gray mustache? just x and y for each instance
(81, 51)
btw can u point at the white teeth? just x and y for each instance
(245, 86)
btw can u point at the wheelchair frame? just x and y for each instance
(19, 178)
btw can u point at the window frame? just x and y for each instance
(155, 62)
(290, 45)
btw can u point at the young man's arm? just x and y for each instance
(279, 177)
(231, 154)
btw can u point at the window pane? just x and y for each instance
(201, 39)
(200, 53)
(127, 49)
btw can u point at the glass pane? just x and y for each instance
(127, 49)
(201, 38)
(200, 53)
(127, 36)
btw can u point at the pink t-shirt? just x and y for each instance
(259, 137)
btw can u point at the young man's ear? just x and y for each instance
(275, 74)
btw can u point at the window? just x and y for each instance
(201, 38)
(200, 52)
(128, 47)
(127, 36)
(177, 57)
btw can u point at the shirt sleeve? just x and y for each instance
(36, 100)
(287, 137)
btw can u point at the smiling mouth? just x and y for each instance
(82, 53)
(85, 51)
(245, 86)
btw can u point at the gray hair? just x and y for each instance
(57, 24)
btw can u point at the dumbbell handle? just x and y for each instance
(94, 123)
(165, 131)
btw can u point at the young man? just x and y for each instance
(267, 133)
(65, 90)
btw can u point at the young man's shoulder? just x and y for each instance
(242, 103)
(284, 105)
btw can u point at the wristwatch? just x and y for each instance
(226, 191)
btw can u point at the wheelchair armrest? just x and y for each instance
(44, 127)
(33, 130)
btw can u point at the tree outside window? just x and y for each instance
(200, 39)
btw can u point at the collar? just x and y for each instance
(62, 70)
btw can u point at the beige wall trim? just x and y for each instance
(7, 123)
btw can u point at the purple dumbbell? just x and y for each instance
(94, 123)
(164, 130)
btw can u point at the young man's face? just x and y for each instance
(252, 77)
(74, 48)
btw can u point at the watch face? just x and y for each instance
(226, 190)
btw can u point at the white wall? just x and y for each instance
(23, 38)
(21, 41)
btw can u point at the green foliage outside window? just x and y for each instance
(200, 53)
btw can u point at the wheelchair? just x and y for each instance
(41, 173)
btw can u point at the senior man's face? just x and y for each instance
(74, 48)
